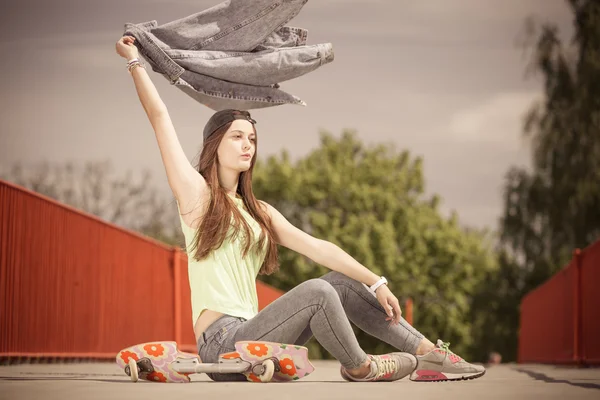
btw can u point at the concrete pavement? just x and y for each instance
(87, 381)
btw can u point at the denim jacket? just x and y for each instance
(234, 54)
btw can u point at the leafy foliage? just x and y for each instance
(370, 201)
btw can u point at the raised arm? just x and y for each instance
(185, 182)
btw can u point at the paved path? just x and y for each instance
(83, 381)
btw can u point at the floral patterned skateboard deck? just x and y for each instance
(258, 361)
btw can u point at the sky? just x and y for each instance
(444, 79)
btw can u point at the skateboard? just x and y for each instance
(258, 361)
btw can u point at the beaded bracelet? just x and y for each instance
(133, 65)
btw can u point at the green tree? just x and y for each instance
(555, 208)
(370, 201)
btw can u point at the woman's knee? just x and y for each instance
(344, 285)
(318, 288)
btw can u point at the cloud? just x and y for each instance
(497, 121)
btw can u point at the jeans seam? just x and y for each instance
(158, 56)
(332, 331)
(212, 93)
(218, 335)
(409, 328)
(376, 306)
(211, 58)
(230, 54)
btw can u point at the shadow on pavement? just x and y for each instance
(542, 377)
(59, 378)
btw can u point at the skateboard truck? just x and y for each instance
(264, 369)
(133, 368)
(259, 368)
(193, 366)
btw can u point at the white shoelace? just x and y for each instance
(385, 366)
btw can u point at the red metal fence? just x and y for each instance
(560, 320)
(590, 305)
(72, 285)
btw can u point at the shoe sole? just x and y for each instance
(435, 376)
(347, 379)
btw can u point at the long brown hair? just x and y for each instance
(216, 221)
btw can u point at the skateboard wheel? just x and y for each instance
(268, 370)
(133, 370)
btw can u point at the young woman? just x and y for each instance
(231, 237)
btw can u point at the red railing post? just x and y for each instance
(408, 311)
(177, 294)
(577, 345)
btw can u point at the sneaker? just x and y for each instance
(440, 364)
(387, 367)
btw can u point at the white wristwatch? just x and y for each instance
(381, 281)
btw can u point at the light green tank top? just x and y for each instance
(224, 281)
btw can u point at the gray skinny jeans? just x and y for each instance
(321, 307)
